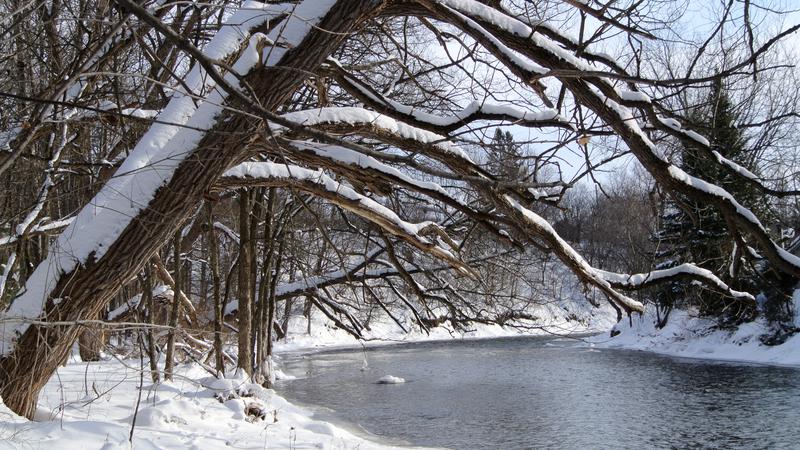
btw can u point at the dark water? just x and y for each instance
(551, 393)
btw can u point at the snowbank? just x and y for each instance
(688, 336)
(92, 406)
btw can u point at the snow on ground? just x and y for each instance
(689, 336)
(90, 406)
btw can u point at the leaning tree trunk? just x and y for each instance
(86, 289)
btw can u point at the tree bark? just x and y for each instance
(267, 362)
(180, 295)
(91, 343)
(175, 309)
(150, 304)
(219, 361)
(256, 215)
(266, 279)
(85, 290)
(244, 315)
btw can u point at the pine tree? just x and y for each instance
(697, 233)
(505, 157)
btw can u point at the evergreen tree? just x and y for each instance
(505, 157)
(697, 233)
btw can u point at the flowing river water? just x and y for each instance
(548, 393)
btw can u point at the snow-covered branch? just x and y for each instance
(599, 95)
(444, 124)
(425, 236)
(163, 178)
(367, 170)
(683, 271)
(538, 226)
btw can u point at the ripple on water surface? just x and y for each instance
(545, 393)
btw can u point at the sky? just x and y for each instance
(699, 18)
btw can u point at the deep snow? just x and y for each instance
(689, 336)
(90, 406)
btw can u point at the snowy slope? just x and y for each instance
(686, 335)
(324, 335)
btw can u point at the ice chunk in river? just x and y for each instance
(388, 379)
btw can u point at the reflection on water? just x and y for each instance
(547, 393)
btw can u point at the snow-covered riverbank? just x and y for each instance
(689, 336)
(576, 319)
(91, 405)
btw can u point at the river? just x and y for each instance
(548, 393)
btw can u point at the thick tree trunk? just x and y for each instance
(86, 290)
(263, 292)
